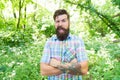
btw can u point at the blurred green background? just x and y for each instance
(25, 25)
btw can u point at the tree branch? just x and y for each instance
(112, 25)
(117, 15)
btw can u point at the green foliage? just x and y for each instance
(116, 2)
(100, 13)
(2, 6)
(48, 30)
(21, 62)
(104, 63)
(15, 38)
(96, 45)
(2, 23)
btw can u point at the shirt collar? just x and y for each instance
(68, 37)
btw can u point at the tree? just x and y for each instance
(106, 18)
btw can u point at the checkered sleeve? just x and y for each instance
(80, 52)
(46, 53)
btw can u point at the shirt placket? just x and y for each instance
(63, 48)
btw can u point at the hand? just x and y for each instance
(73, 61)
(64, 67)
(72, 66)
(54, 62)
(67, 65)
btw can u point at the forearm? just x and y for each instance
(48, 70)
(75, 68)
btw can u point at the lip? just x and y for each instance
(61, 30)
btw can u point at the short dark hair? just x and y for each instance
(60, 12)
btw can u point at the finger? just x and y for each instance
(74, 61)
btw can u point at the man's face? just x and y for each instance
(62, 26)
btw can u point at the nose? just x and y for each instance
(60, 23)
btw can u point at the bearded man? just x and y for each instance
(64, 56)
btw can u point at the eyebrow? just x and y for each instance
(64, 19)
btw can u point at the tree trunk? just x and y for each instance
(24, 18)
(35, 8)
(20, 7)
(14, 14)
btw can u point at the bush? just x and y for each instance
(103, 64)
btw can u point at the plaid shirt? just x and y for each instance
(65, 51)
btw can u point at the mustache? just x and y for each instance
(60, 27)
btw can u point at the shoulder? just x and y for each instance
(75, 38)
(51, 39)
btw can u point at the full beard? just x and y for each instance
(64, 35)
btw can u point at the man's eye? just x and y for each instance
(57, 21)
(63, 20)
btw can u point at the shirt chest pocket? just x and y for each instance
(55, 53)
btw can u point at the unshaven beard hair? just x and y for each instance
(62, 36)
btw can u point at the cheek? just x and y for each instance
(66, 25)
(56, 25)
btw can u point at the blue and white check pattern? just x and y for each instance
(65, 51)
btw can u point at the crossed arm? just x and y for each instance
(55, 67)
(47, 70)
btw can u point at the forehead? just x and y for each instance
(61, 17)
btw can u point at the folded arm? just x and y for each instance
(47, 70)
(56, 67)
(73, 67)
